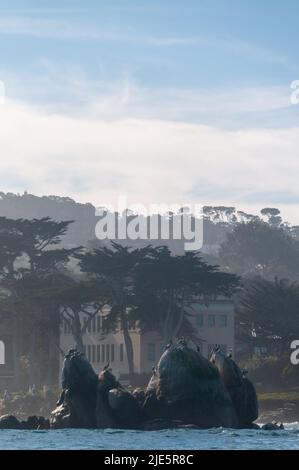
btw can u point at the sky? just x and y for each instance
(158, 101)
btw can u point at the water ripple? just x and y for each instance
(166, 439)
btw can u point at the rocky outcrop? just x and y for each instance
(186, 390)
(116, 407)
(77, 404)
(9, 422)
(239, 387)
(32, 423)
(139, 394)
(272, 427)
(187, 387)
(35, 422)
(104, 415)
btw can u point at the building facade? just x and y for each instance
(214, 325)
(7, 369)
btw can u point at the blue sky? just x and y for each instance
(156, 99)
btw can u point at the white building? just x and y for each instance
(214, 325)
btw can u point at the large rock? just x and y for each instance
(31, 423)
(104, 415)
(240, 389)
(9, 422)
(35, 422)
(187, 387)
(77, 405)
(115, 406)
(125, 408)
(272, 427)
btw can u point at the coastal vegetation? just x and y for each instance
(44, 284)
(48, 277)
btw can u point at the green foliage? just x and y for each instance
(290, 375)
(270, 309)
(167, 285)
(269, 371)
(31, 262)
(290, 396)
(259, 248)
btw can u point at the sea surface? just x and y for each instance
(171, 439)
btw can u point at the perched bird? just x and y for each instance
(230, 354)
(106, 367)
(244, 373)
(154, 370)
(168, 345)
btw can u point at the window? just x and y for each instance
(107, 352)
(200, 320)
(223, 321)
(260, 350)
(211, 321)
(98, 353)
(103, 352)
(151, 352)
(89, 352)
(121, 352)
(93, 348)
(112, 352)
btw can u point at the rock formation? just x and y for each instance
(77, 404)
(187, 387)
(115, 406)
(186, 390)
(32, 423)
(240, 389)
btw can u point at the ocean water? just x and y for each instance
(171, 439)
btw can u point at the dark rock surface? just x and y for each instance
(77, 404)
(104, 415)
(240, 389)
(116, 407)
(139, 394)
(185, 391)
(35, 422)
(187, 387)
(9, 422)
(272, 427)
(32, 423)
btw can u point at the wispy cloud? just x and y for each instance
(150, 161)
(52, 28)
(65, 88)
(47, 28)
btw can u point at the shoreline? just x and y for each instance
(285, 411)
